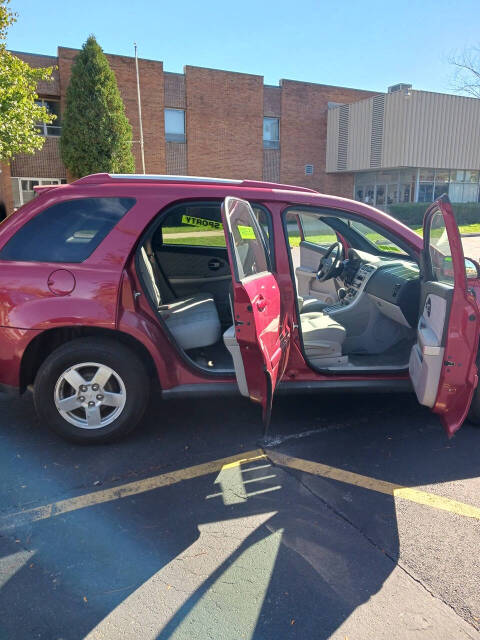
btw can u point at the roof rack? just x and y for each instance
(101, 178)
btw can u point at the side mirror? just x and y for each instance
(472, 269)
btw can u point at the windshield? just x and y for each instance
(380, 242)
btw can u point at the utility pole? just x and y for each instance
(142, 150)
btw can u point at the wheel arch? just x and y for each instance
(43, 344)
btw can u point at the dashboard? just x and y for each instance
(392, 285)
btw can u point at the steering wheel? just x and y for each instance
(331, 263)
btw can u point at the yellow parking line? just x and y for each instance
(373, 484)
(129, 489)
(314, 468)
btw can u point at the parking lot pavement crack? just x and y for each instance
(404, 568)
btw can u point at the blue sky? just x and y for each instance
(365, 44)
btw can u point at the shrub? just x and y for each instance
(411, 213)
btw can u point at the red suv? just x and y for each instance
(116, 286)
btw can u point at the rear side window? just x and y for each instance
(66, 232)
(200, 225)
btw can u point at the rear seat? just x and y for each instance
(193, 320)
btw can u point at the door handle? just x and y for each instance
(261, 303)
(214, 264)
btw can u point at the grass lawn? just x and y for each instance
(464, 228)
(195, 236)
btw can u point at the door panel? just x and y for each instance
(306, 273)
(261, 340)
(427, 355)
(191, 270)
(443, 360)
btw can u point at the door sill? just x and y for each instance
(387, 385)
(357, 369)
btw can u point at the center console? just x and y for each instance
(353, 288)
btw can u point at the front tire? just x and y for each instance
(92, 390)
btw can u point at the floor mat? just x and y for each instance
(216, 357)
(398, 355)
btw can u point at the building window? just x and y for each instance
(54, 129)
(23, 191)
(271, 133)
(383, 188)
(174, 125)
(463, 186)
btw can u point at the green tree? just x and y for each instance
(96, 134)
(19, 112)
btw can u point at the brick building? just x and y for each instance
(202, 122)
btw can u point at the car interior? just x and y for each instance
(357, 290)
(357, 293)
(183, 263)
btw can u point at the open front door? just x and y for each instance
(443, 360)
(260, 337)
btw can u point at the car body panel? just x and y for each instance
(106, 285)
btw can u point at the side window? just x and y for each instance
(195, 225)
(316, 231)
(440, 254)
(200, 225)
(248, 241)
(69, 231)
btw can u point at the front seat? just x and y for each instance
(323, 337)
(307, 304)
(192, 320)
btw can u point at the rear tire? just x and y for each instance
(91, 390)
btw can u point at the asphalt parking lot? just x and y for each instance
(361, 521)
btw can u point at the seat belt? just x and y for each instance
(166, 293)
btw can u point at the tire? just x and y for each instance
(109, 405)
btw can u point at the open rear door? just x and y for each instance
(443, 360)
(260, 337)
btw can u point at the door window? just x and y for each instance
(248, 242)
(200, 225)
(315, 230)
(439, 252)
(195, 225)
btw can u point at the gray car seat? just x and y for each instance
(193, 320)
(323, 337)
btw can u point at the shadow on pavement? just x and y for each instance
(261, 552)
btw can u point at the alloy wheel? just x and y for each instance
(90, 395)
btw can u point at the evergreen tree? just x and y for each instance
(96, 134)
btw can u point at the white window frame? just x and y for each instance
(43, 127)
(271, 144)
(176, 134)
(41, 182)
